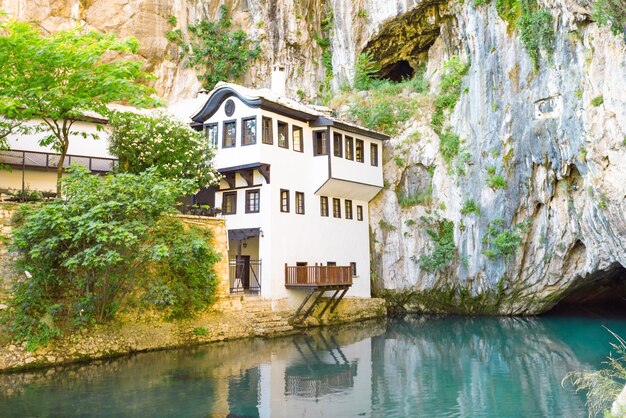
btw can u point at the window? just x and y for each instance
(266, 131)
(323, 206)
(337, 140)
(359, 212)
(297, 139)
(336, 208)
(229, 203)
(320, 147)
(374, 155)
(300, 203)
(359, 151)
(331, 263)
(284, 200)
(211, 133)
(248, 131)
(230, 133)
(348, 209)
(349, 148)
(353, 267)
(253, 201)
(283, 135)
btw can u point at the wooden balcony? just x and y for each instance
(318, 276)
(49, 161)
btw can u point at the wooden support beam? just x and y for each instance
(339, 299)
(310, 310)
(306, 299)
(248, 176)
(330, 300)
(264, 170)
(230, 179)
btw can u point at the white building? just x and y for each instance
(295, 192)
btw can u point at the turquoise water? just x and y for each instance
(416, 367)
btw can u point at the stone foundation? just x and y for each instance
(232, 317)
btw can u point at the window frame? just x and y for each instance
(294, 129)
(374, 154)
(269, 138)
(300, 208)
(353, 268)
(225, 197)
(322, 147)
(336, 208)
(359, 212)
(358, 159)
(258, 200)
(279, 124)
(243, 131)
(324, 206)
(349, 141)
(337, 144)
(284, 205)
(224, 130)
(207, 129)
(348, 208)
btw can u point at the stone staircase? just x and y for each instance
(264, 321)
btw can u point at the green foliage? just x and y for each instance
(449, 146)
(597, 101)
(200, 331)
(59, 77)
(386, 226)
(470, 207)
(183, 281)
(611, 13)
(366, 71)
(382, 112)
(409, 222)
(536, 31)
(509, 11)
(171, 146)
(410, 200)
(454, 71)
(602, 387)
(98, 246)
(444, 249)
(501, 242)
(216, 51)
(495, 181)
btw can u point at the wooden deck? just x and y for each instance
(318, 277)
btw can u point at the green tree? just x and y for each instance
(171, 146)
(108, 240)
(57, 79)
(611, 13)
(217, 51)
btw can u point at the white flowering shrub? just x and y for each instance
(160, 141)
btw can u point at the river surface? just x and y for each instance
(415, 367)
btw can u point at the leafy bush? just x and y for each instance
(536, 30)
(100, 245)
(597, 101)
(449, 146)
(217, 51)
(409, 200)
(171, 146)
(444, 250)
(612, 13)
(495, 181)
(501, 242)
(470, 207)
(366, 71)
(454, 71)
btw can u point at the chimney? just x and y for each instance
(279, 80)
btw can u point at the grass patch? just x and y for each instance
(416, 199)
(495, 181)
(502, 242)
(470, 207)
(454, 71)
(597, 101)
(444, 249)
(449, 146)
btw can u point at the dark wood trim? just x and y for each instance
(238, 188)
(278, 125)
(271, 133)
(247, 200)
(230, 179)
(264, 170)
(299, 128)
(243, 131)
(233, 193)
(224, 132)
(248, 176)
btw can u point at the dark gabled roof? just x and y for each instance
(265, 100)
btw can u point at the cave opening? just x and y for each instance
(398, 71)
(601, 293)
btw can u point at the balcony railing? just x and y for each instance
(317, 276)
(245, 276)
(47, 160)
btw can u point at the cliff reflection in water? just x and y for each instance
(419, 366)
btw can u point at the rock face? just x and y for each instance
(555, 136)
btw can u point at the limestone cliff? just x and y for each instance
(554, 135)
